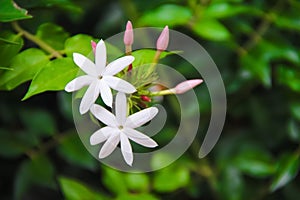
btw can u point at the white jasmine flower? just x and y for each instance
(100, 78)
(121, 128)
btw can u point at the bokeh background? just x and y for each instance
(256, 47)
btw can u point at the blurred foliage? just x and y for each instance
(256, 46)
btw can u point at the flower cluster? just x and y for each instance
(101, 78)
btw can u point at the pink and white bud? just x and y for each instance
(163, 40)
(186, 86)
(128, 35)
(93, 44)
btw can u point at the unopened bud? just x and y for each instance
(128, 35)
(145, 98)
(93, 44)
(163, 40)
(186, 86)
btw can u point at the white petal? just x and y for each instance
(89, 97)
(140, 118)
(79, 82)
(106, 94)
(119, 84)
(139, 138)
(104, 115)
(110, 145)
(121, 108)
(118, 65)
(100, 57)
(85, 64)
(126, 149)
(101, 135)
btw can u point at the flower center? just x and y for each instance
(120, 127)
(100, 77)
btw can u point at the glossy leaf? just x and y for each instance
(10, 11)
(255, 162)
(25, 65)
(75, 190)
(287, 170)
(79, 43)
(223, 10)
(10, 45)
(53, 35)
(211, 29)
(168, 14)
(53, 77)
(145, 56)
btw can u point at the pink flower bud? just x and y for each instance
(94, 44)
(187, 85)
(128, 35)
(163, 40)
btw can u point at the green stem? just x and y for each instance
(36, 40)
(162, 92)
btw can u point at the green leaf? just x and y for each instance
(10, 45)
(255, 162)
(38, 171)
(79, 43)
(14, 144)
(231, 184)
(289, 76)
(10, 11)
(25, 65)
(287, 20)
(223, 10)
(114, 180)
(295, 109)
(171, 178)
(145, 56)
(53, 77)
(137, 182)
(211, 29)
(38, 122)
(53, 35)
(73, 151)
(287, 170)
(257, 67)
(167, 14)
(127, 196)
(75, 190)
(294, 131)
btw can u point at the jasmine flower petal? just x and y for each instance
(118, 65)
(126, 149)
(121, 110)
(101, 135)
(85, 64)
(89, 97)
(103, 115)
(100, 57)
(119, 84)
(79, 83)
(140, 118)
(106, 94)
(110, 145)
(139, 138)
